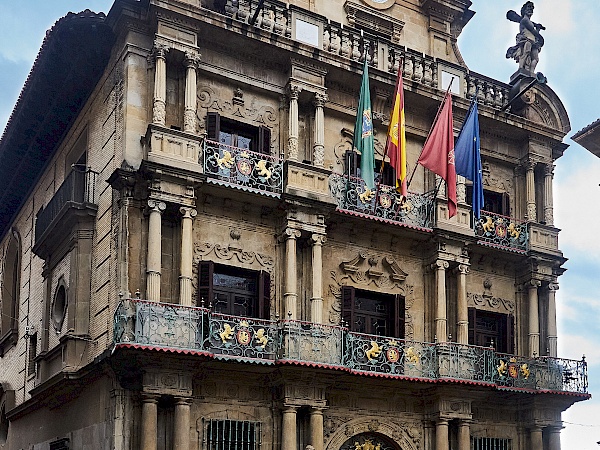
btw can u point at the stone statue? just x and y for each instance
(529, 40)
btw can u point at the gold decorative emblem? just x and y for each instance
(244, 336)
(392, 354)
(366, 196)
(385, 201)
(525, 371)
(374, 352)
(502, 368)
(368, 445)
(412, 356)
(512, 230)
(261, 338)
(244, 166)
(227, 333)
(488, 225)
(226, 162)
(263, 172)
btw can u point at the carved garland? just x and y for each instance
(492, 302)
(227, 253)
(385, 274)
(408, 435)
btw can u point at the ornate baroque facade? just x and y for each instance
(189, 261)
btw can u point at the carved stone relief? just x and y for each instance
(491, 302)
(372, 272)
(407, 434)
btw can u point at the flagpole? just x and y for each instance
(400, 72)
(429, 134)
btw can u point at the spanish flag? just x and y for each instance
(395, 146)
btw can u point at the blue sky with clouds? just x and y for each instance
(570, 60)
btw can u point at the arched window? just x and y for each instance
(11, 288)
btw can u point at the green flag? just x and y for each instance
(363, 132)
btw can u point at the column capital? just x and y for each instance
(533, 284)
(552, 287)
(294, 91)
(160, 50)
(318, 239)
(320, 99)
(530, 164)
(150, 398)
(192, 60)
(156, 206)
(440, 264)
(291, 233)
(187, 212)
(549, 170)
(462, 269)
(183, 401)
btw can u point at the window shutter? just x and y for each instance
(264, 295)
(264, 140)
(351, 163)
(505, 204)
(213, 126)
(399, 321)
(510, 333)
(205, 283)
(348, 306)
(472, 318)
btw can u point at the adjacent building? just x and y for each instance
(190, 260)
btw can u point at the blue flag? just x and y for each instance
(468, 158)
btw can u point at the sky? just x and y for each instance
(571, 62)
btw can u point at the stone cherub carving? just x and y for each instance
(529, 40)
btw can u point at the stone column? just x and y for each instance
(288, 429)
(187, 256)
(462, 307)
(189, 113)
(441, 325)
(554, 438)
(153, 261)
(293, 123)
(291, 289)
(181, 438)
(461, 189)
(319, 145)
(552, 332)
(464, 435)
(535, 437)
(441, 435)
(548, 198)
(316, 302)
(534, 320)
(316, 428)
(160, 84)
(530, 190)
(148, 438)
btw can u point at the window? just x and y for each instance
(352, 164)
(234, 291)
(490, 329)
(494, 202)
(373, 313)
(237, 134)
(231, 435)
(11, 290)
(481, 443)
(32, 354)
(59, 305)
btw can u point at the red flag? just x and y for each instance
(396, 140)
(438, 152)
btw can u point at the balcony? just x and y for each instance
(243, 169)
(73, 204)
(353, 197)
(502, 232)
(139, 323)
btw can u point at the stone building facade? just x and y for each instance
(189, 261)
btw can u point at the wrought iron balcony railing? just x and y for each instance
(243, 168)
(78, 190)
(166, 326)
(502, 232)
(353, 196)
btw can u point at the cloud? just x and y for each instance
(574, 346)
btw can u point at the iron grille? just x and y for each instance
(484, 443)
(224, 434)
